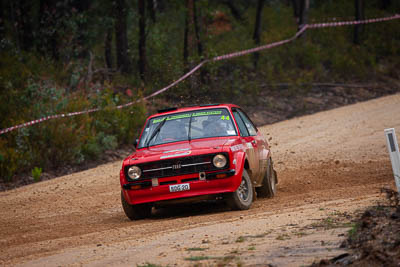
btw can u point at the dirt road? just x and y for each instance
(330, 165)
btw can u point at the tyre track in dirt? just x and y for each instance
(328, 156)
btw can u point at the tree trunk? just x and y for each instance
(385, 4)
(151, 7)
(296, 9)
(81, 44)
(142, 39)
(185, 43)
(257, 30)
(200, 46)
(48, 39)
(2, 19)
(188, 41)
(24, 16)
(82, 5)
(121, 39)
(235, 12)
(359, 14)
(303, 14)
(197, 31)
(13, 22)
(108, 48)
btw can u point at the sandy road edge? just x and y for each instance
(301, 228)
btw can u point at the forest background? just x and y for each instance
(70, 55)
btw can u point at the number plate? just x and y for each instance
(179, 187)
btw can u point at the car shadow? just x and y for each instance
(189, 209)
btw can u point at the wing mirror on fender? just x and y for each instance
(135, 143)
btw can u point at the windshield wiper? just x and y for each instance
(155, 132)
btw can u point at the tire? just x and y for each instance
(268, 187)
(135, 212)
(243, 197)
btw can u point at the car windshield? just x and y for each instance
(187, 126)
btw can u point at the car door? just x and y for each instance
(248, 139)
(262, 148)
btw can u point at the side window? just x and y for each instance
(242, 127)
(249, 125)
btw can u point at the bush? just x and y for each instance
(62, 141)
(36, 173)
(9, 159)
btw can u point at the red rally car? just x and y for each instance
(197, 153)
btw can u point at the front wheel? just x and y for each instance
(268, 187)
(135, 212)
(242, 198)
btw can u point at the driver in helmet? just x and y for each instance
(216, 128)
(173, 130)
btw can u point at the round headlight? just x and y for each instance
(219, 161)
(134, 172)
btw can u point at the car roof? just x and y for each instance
(191, 108)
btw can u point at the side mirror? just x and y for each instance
(135, 143)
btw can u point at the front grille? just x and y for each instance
(189, 180)
(178, 166)
(168, 182)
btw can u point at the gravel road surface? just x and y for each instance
(330, 166)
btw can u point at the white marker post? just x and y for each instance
(394, 153)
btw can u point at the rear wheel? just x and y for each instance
(135, 212)
(242, 198)
(268, 187)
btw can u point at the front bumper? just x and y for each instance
(212, 184)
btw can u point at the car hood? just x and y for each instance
(179, 149)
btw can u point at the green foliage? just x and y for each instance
(196, 249)
(8, 161)
(240, 239)
(148, 265)
(36, 173)
(198, 258)
(355, 227)
(321, 55)
(56, 74)
(61, 141)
